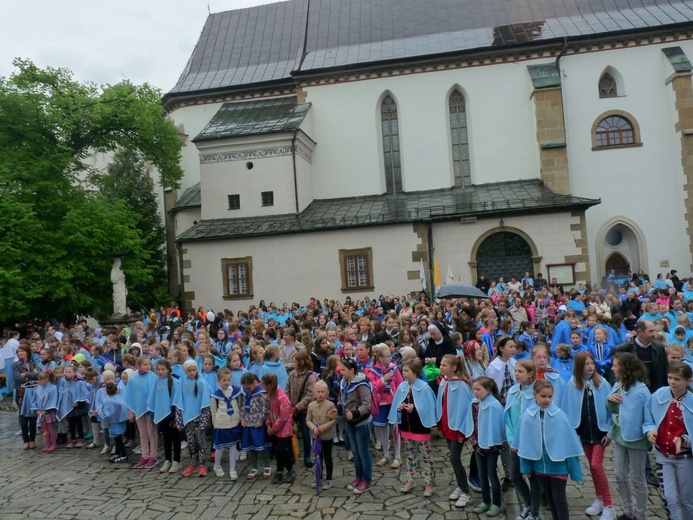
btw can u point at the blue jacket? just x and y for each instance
(553, 454)
(517, 401)
(572, 402)
(424, 402)
(632, 410)
(561, 334)
(604, 360)
(564, 367)
(491, 431)
(276, 368)
(459, 400)
(657, 407)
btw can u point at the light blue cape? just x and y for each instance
(114, 410)
(46, 398)
(531, 435)
(277, 368)
(137, 392)
(659, 404)
(632, 410)
(160, 400)
(75, 391)
(29, 402)
(558, 385)
(424, 402)
(187, 402)
(571, 403)
(491, 426)
(459, 401)
(211, 378)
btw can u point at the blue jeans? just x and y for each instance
(305, 432)
(359, 438)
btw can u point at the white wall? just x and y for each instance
(185, 219)
(346, 123)
(642, 184)
(297, 267)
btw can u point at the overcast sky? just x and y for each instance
(106, 41)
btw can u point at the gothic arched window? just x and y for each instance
(391, 146)
(460, 139)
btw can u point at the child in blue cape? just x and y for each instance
(226, 419)
(73, 405)
(46, 406)
(208, 373)
(552, 457)
(413, 408)
(454, 398)
(256, 408)
(274, 365)
(584, 402)
(520, 397)
(115, 412)
(176, 359)
(627, 404)
(192, 402)
(542, 360)
(563, 362)
(485, 419)
(669, 424)
(235, 365)
(160, 403)
(135, 397)
(27, 414)
(99, 427)
(601, 349)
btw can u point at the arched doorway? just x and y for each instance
(617, 263)
(504, 254)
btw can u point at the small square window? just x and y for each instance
(234, 202)
(267, 198)
(356, 266)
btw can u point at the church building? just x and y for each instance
(333, 147)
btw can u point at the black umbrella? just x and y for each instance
(460, 290)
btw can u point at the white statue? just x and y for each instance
(120, 292)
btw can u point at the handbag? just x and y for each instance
(431, 372)
(294, 446)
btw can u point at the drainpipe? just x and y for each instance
(181, 277)
(431, 251)
(293, 154)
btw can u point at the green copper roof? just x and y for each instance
(261, 116)
(544, 76)
(189, 199)
(485, 200)
(678, 59)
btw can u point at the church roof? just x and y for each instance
(260, 116)
(484, 200)
(191, 198)
(271, 43)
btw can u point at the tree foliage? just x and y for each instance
(55, 230)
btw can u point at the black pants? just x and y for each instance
(488, 472)
(555, 492)
(76, 427)
(326, 457)
(171, 439)
(29, 429)
(457, 466)
(119, 446)
(284, 453)
(530, 495)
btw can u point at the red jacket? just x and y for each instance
(280, 417)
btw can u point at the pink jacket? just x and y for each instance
(374, 376)
(280, 416)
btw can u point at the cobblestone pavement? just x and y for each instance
(82, 484)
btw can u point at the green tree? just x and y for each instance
(55, 232)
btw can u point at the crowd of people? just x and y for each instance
(534, 377)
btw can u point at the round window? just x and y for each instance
(249, 165)
(614, 237)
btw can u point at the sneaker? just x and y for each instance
(183, 445)
(308, 463)
(138, 450)
(608, 513)
(90, 446)
(362, 487)
(233, 475)
(595, 509)
(122, 458)
(495, 511)
(474, 484)
(382, 461)
(244, 455)
(113, 450)
(142, 463)
(105, 450)
(79, 443)
(89, 436)
(289, 477)
(351, 485)
(175, 467)
(396, 464)
(313, 485)
(113, 458)
(151, 463)
(267, 473)
(327, 485)
(129, 444)
(189, 471)
(525, 514)
(278, 477)
(202, 472)
(71, 445)
(165, 466)
(252, 474)
(506, 484)
(218, 472)
(464, 500)
(455, 494)
(480, 509)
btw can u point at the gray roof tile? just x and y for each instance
(485, 200)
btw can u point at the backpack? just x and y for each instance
(375, 402)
